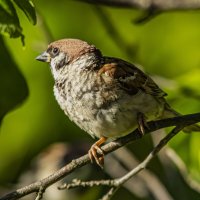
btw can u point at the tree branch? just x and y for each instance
(115, 184)
(83, 160)
(149, 4)
(152, 8)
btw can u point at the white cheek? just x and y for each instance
(55, 62)
(53, 69)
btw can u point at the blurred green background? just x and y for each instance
(167, 46)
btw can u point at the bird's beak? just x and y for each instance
(44, 57)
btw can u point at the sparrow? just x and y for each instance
(106, 97)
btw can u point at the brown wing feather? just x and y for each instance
(130, 77)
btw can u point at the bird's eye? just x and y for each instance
(55, 51)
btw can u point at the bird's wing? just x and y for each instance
(130, 77)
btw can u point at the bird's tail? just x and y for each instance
(169, 112)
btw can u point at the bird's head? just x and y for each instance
(64, 53)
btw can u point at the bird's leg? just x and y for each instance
(95, 149)
(142, 123)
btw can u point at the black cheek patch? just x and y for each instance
(61, 64)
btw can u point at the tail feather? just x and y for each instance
(169, 112)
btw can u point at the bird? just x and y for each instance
(107, 97)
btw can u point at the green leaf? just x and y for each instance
(28, 8)
(9, 21)
(13, 87)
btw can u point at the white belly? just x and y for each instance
(116, 119)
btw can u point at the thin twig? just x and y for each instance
(115, 184)
(77, 183)
(40, 193)
(112, 146)
(110, 193)
(120, 181)
(156, 149)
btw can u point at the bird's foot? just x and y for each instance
(96, 153)
(142, 123)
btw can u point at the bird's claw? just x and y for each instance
(96, 153)
(142, 123)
